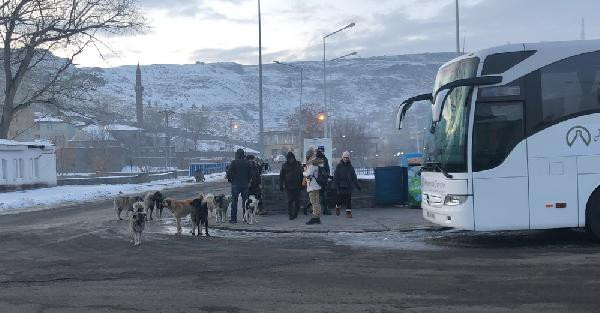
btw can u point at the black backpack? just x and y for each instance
(322, 177)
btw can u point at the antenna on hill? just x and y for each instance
(464, 40)
(582, 29)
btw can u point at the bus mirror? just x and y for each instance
(438, 104)
(404, 106)
(399, 118)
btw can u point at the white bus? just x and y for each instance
(515, 139)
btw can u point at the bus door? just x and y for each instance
(552, 188)
(499, 158)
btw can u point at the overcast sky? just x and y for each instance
(184, 31)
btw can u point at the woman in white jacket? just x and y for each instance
(312, 187)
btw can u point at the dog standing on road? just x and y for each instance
(251, 206)
(222, 204)
(199, 215)
(153, 200)
(180, 209)
(137, 222)
(124, 203)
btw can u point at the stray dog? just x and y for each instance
(199, 216)
(179, 208)
(210, 203)
(137, 222)
(153, 200)
(250, 208)
(222, 204)
(121, 203)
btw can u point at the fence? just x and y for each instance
(207, 168)
(365, 171)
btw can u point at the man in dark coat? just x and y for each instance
(290, 179)
(345, 180)
(256, 182)
(239, 175)
(323, 191)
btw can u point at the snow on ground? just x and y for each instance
(46, 198)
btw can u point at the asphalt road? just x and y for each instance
(78, 259)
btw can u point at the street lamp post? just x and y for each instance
(300, 122)
(325, 71)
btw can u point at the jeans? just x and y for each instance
(293, 202)
(236, 190)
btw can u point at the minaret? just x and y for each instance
(139, 106)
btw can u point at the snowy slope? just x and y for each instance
(366, 88)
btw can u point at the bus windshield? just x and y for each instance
(447, 145)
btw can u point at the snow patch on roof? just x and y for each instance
(121, 127)
(7, 142)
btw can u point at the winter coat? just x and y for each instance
(239, 172)
(312, 171)
(345, 178)
(255, 179)
(290, 175)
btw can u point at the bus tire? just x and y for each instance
(592, 214)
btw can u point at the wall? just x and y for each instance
(117, 178)
(34, 167)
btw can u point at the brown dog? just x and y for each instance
(179, 208)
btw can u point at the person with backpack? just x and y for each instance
(325, 173)
(290, 179)
(312, 186)
(345, 180)
(239, 175)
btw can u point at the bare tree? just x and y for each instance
(304, 120)
(350, 135)
(195, 122)
(32, 31)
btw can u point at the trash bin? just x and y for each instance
(391, 185)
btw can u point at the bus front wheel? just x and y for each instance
(592, 214)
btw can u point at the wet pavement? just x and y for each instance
(77, 258)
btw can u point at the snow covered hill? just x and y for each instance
(363, 88)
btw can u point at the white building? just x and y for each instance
(26, 165)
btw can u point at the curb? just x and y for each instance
(327, 231)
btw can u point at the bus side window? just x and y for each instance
(569, 88)
(498, 128)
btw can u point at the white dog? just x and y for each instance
(251, 206)
(137, 222)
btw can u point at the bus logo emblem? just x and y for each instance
(578, 132)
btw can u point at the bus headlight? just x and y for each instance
(455, 200)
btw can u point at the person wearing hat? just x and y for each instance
(312, 186)
(323, 191)
(345, 180)
(290, 180)
(239, 175)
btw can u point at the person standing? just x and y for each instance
(344, 179)
(290, 179)
(239, 175)
(312, 186)
(255, 182)
(327, 171)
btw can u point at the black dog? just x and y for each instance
(199, 216)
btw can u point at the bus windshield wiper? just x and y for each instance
(438, 166)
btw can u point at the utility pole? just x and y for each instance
(582, 29)
(457, 30)
(167, 137)
(260, 87)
